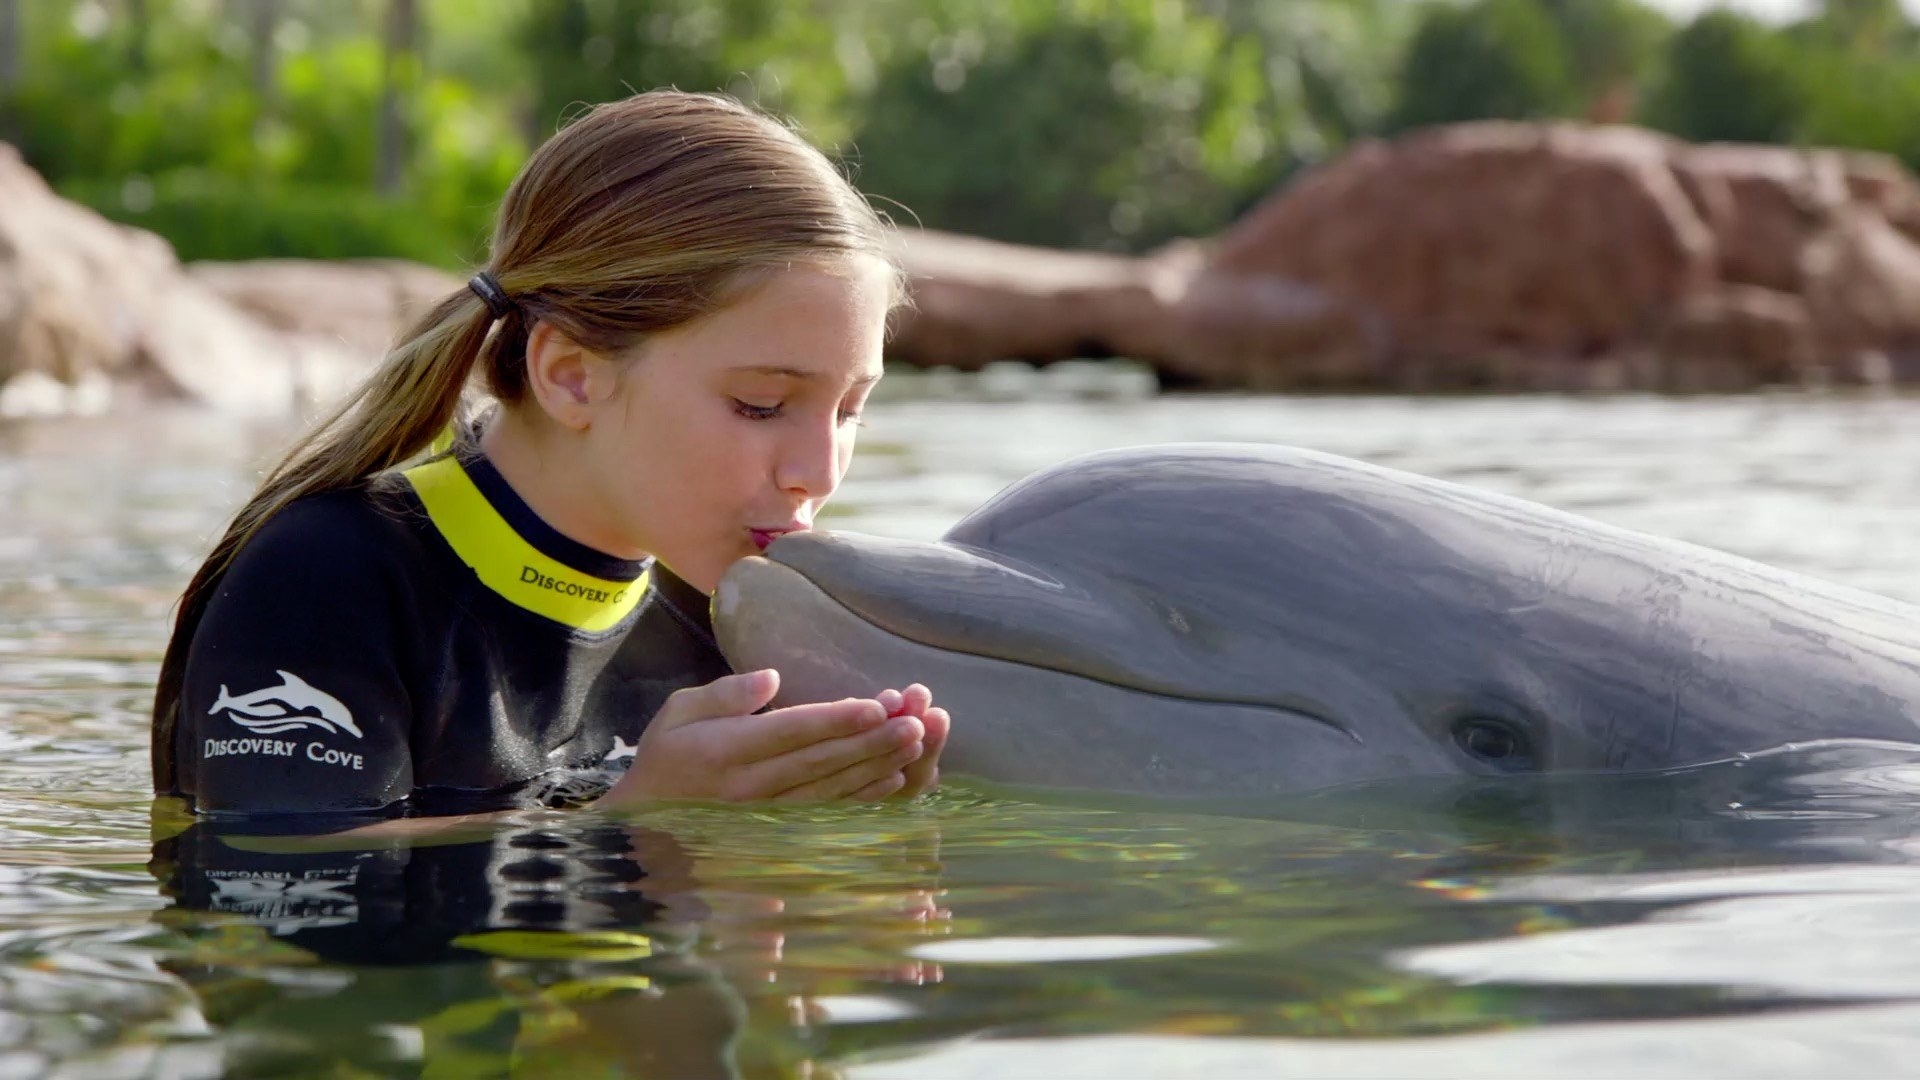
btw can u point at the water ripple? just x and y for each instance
(1739, 917)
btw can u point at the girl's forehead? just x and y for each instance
(783, 373)
(800, 324)
(853, 283)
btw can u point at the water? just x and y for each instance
(1755, 918)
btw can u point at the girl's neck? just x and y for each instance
(542, 466)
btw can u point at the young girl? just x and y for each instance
(681, 319)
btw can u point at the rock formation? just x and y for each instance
(93, 313)
(1493, 255)
(362, 304)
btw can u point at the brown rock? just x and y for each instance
(1763, 203)
(1499, 256)
(83, 299)
(71, 282)
(1550, 239)
(976, 301)
(363, 303)
(1734, 338)
(1883, 184)
(1863, 290)
(1495, 255)
(195, 346)
(1268, 333)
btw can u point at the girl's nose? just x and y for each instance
(812, 461)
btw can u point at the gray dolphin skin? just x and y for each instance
(1243, 620)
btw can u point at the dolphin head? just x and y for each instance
(1173, 623)
(1213, 619)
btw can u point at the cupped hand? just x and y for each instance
(709, 742)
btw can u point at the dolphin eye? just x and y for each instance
(1499, 743)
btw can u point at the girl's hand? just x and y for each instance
(923, 775)
(707, 742)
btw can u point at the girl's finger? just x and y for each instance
(924, 775)
(881, 788)
(815, 767)
(938, 723)
(770, 735)
(855, 779)
(916, 699)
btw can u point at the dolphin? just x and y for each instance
(295, 703)
(1248, 620)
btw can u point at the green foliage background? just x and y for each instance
(324, 128)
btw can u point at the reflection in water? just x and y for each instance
(556, 944)
(1730, 918)
(759, 942)
(790, 943)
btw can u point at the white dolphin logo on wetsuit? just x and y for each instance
(292, 704)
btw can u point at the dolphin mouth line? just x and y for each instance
(1236, 703)
(1225, 703)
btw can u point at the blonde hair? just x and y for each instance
(640, 216)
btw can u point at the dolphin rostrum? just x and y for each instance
(1250, 620)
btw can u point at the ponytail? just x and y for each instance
(394, 415)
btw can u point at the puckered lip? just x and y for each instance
(762, 537)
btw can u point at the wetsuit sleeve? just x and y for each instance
(294, 700)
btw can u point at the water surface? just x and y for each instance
(1758, 918)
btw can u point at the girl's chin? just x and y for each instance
(704, 569)
(702, 573)
(706, 576)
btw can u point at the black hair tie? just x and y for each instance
(488, 289)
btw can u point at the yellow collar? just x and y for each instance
(506, 563)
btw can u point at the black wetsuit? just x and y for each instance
(427, 645)
(424, 645)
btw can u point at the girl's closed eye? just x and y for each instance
(757, 412)
(770, 412)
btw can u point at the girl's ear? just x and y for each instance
(569, 380)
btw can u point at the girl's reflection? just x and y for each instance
(542, 943)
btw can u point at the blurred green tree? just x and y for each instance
(1862, 60)
(9, 43)
(260, 121)
(1729, 77)
(1862, 28)
(779, 54)
(399, 93)
(9, 67)
(393, 126)
(1104, 123)
(1613, 47)
(1493, 59)
(1330, 64)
